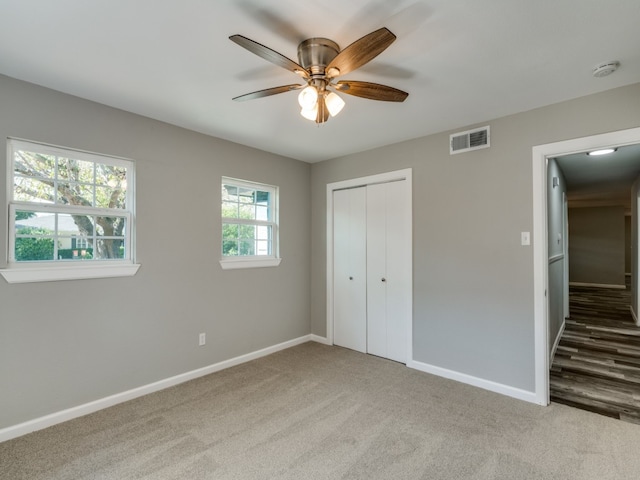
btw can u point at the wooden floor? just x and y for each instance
(597, 364)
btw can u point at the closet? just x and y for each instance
(372, 274)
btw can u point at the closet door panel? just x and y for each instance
(349, 269)
(398, 268)
(376, 270)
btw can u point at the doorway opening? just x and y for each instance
(541, 154)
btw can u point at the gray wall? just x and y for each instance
(596, 245)
(473, 282)
(555, 231)
(66, 343)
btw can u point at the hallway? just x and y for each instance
(597, 364)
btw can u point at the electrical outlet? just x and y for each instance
(202, 339)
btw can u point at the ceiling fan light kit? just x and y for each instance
(320, 62)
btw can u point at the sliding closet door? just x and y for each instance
(388, 270)
(349, 271)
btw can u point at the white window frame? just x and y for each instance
(42, 271)
(254, 261)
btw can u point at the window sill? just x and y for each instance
(235, 263)
(67, 272)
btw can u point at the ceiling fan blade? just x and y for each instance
(269, 55)
(361, 51)
(372, 91)
(268, 92)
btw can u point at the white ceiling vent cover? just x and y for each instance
(470, 140)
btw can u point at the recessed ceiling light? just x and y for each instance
(604, 151)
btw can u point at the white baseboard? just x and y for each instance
(319, 339)
(599, 285)
(70, 413)
(633, 314)
(557, 341)
(475, 381)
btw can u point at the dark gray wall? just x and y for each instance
(635, 241)
(627, 244)
(473, 281)
(63, 344)
(596, 245)
(556, 240)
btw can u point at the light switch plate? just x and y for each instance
(525, 238)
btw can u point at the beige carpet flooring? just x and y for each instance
(319, 412)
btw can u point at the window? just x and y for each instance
(68, 209)
(249, 224)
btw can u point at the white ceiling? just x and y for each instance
(462, 62)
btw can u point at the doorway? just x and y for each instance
(369, 265)
(540, 155)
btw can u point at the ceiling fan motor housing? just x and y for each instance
(314, 54)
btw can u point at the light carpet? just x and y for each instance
(319, 412)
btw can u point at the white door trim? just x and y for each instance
(405, 174)
(540, 155)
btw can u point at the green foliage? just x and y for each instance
(24, 215)
(238, 239)
(34, 248)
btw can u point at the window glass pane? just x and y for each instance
(109, 248)
(229, 239)
(74, 248)
(229, 247)
(247, 247)
(110, 226)
(230, 192)
(262, 212)
(75, 194)
(112, 176)
(33, 190)
(262, 247)
(34, 164)
(247, 232)
(112, 189)
(74, 224)
(229, 210)
(263, 232)
(246, 195)
(34, 236)
(262, 198)
(107, 197)
(34, 248)
(247, 211)
(75, 170)
(26, 221)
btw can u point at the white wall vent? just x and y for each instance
(469, 140)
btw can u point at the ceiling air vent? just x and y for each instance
(469, 140)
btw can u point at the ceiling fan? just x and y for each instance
(320, 62)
